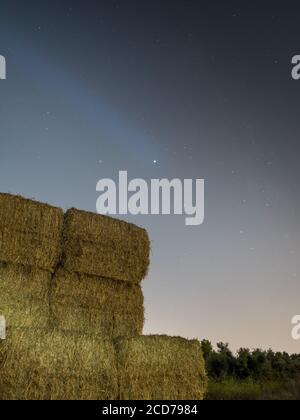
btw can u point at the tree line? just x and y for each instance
(257, 364)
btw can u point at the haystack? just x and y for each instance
(30, 232)
(24, 295)
(89, 304)
(48, 365)
(105, 247)
(70, 292)
(160, 368)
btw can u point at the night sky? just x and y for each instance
(165, 89)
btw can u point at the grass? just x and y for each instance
(249, 390)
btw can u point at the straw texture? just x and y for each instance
(30, 232)
(94, 305)
(161, 368)
(24, 295)
(49, 365)
(105, 247)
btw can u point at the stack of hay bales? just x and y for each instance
(38, 361)
(70, 289)
(97, 288)
(30, 249)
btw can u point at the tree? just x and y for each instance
(258, 365)
(207, 349)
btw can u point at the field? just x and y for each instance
(249, 390)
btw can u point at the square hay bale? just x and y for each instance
(30, 232)
(84, 303)
(105, 247)
(160, 368)
(49, 365)
(24, 295)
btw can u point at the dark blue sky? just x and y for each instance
(202, 87)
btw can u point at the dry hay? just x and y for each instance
(30, 232)
(24, 295)
(48, 365)
(160, 368)
(84, 303)
(105, 247)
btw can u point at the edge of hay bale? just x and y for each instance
(102, 246)
(160, 368)
(30, 232)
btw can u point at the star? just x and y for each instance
(155, 162)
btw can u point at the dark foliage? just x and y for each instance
(257, 365)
